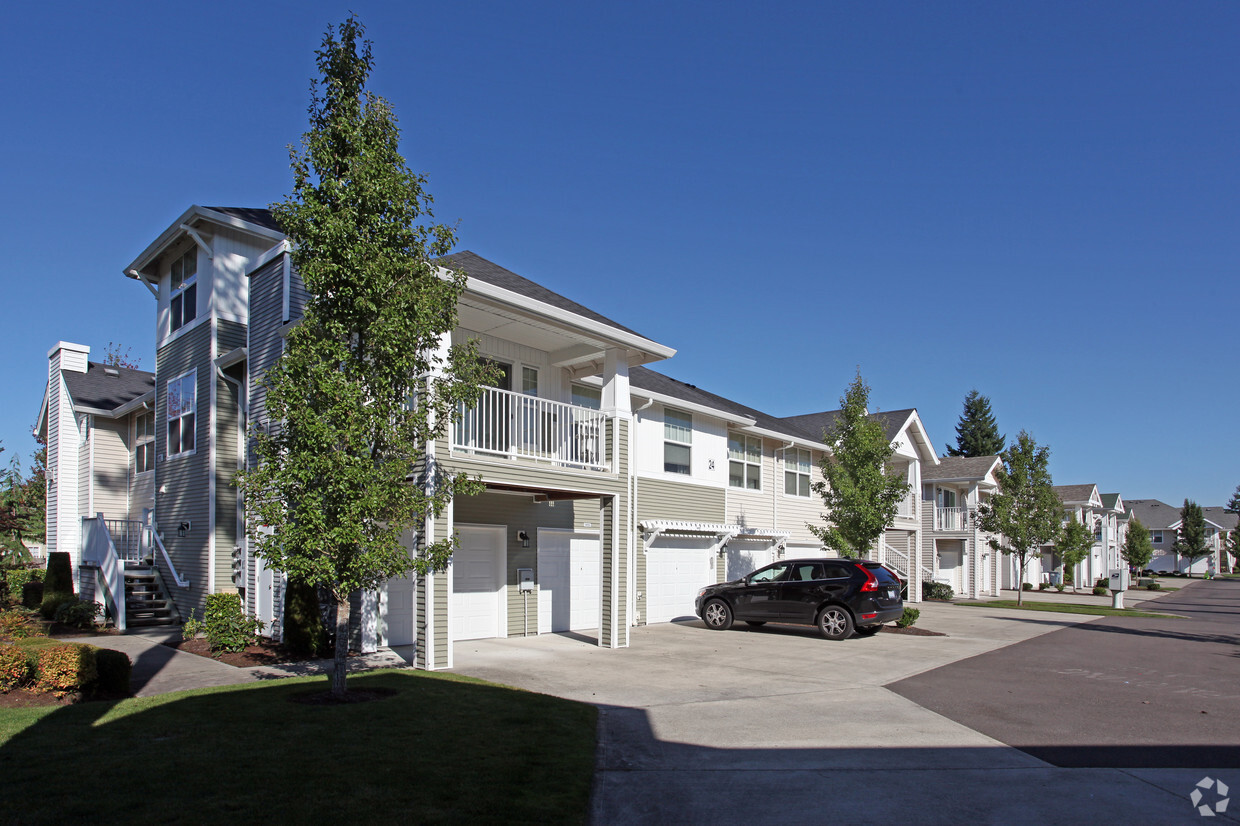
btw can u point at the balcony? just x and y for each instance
(907, 509)
(515, 426)
(951, 519)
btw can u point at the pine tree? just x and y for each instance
(362, 387)
(860, 497)
(976, 433)
(1025, 514)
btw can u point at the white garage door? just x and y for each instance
(569, 581)
(396, 606)
(806, 552)
(676, 569)
(745, 560)
(477, 582)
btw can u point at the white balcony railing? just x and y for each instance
(951, 519)
(517, 426)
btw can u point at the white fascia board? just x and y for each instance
(267, 257)
(621, 338)
(713, 412)
(40, 424)
(146, 400)
(913, 423)
(797, 441)
(173, 232)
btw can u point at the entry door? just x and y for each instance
(569, 581)
(478, 583)
(950, 559)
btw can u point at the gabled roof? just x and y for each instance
(960, 469)
(104, 389)
(1221, 517)
(894, 423)
(1113, 501)
(256, 221)
(475, 266)
(1154, 514)
(1078, 494)
(252, 215)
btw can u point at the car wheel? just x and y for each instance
(867, 630)
(835, 622)
(718, 615)
(756, 623)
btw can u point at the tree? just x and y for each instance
(1233, 504)
(1025, 514)
(1138, 550)
(363, 386)
(1190, 540)
(1073, 545)
(23, 506)
(114, 356)
(976, 433)
(860, 497)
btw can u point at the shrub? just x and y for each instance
(1043, 586)
(1099, 591)
(62, 669)
(18, 577)
(227, 626)
(936, 590)
(1103, 582)
(53, 601)
(16, 625)
(908, 618)
(32, 594)
(113, 671)
(81, 613)
(304, 632)
(13, 667)
(1153, 586)
(1026, 586)
(192, 627)
(59, 577)
(1060, 587)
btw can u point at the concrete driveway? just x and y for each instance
(779, 725)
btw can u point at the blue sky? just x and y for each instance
(1037, 200)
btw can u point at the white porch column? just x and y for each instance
(616, 398)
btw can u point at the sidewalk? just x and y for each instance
(159, 669)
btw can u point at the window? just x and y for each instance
(796, 472)
(677, 439)
(586, 396)
(775, 573)
(744, 461)
(144, 443)
(181, 406)
(1156, 537)
(185, 289)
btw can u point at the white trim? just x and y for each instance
(173, 232)
(211, 465)
(286, 312)
(713, 412)
(267, 257)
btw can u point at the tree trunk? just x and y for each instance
(1020, 582)
(342, 647)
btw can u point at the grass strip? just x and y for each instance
(1066, 608)
(444, 749)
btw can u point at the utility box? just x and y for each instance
(525, 579)
(1119, 579)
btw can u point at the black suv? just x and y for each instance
(837, 595)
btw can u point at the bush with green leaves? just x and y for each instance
(16, 624)
(32, 594)
(909, 617)
(81, 613)
(14, 667)
(937, 590)
(18, 577)
(112, 673)
(64, 669)
(1100, 591)
(59, 576)
(192, 627)
(1153, 586)
(1044, 586)
(53, 602)
(1026, 586)
(226, 624)
(1060, 587)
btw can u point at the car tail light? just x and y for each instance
(868, 616)
(871, 581)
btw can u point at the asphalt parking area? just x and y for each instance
(1112, 692)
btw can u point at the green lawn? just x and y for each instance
(444, 749)
(1065, 608)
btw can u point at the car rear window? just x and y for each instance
(837, 572)
(882, 574)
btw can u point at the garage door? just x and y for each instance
(743, 560)
(396, 606)
(569, 581)
(477, 583)
(806, 552)
(676, 569)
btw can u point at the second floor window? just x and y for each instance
(184, 306)
(1156, 537)
(144, 443)
(586, 396)
(744, 461)
(677, 441)
(796, 472)
(182, 398)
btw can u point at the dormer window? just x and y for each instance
(184, 289)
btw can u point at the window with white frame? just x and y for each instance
(182, 405)
(1156, 537)
(144, 443)
(586, 396)
(184, 306)
(796, 472)
(677, 441)
(744, 461)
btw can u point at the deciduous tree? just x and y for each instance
(1190, 540)
(364, 385)
(1138, 550)
(1073, 545)
(860, 496)
(1025, 514)
(976, 433)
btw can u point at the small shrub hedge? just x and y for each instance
(14, 667)
(909, 617)
(60, 668)
(1103, 582)
(112, 673)
(32, 594)
(1060, 587)
(937, 590)
(16, 625)
(1153, 586)
(225, 623)
(1043, 586)
(80, 613)
(16, 579)
(59, 576)
(53, 603)
(1100, 591)
(1026, 586)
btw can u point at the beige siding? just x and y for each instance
(795, 513)
(110, 452)
(661, 499)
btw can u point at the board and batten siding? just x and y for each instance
(182, 482)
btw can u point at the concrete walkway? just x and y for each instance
(159, 669)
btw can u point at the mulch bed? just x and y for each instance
(911, 631)
(25, 698)
(261, 653)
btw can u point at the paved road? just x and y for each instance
(1121, 693)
